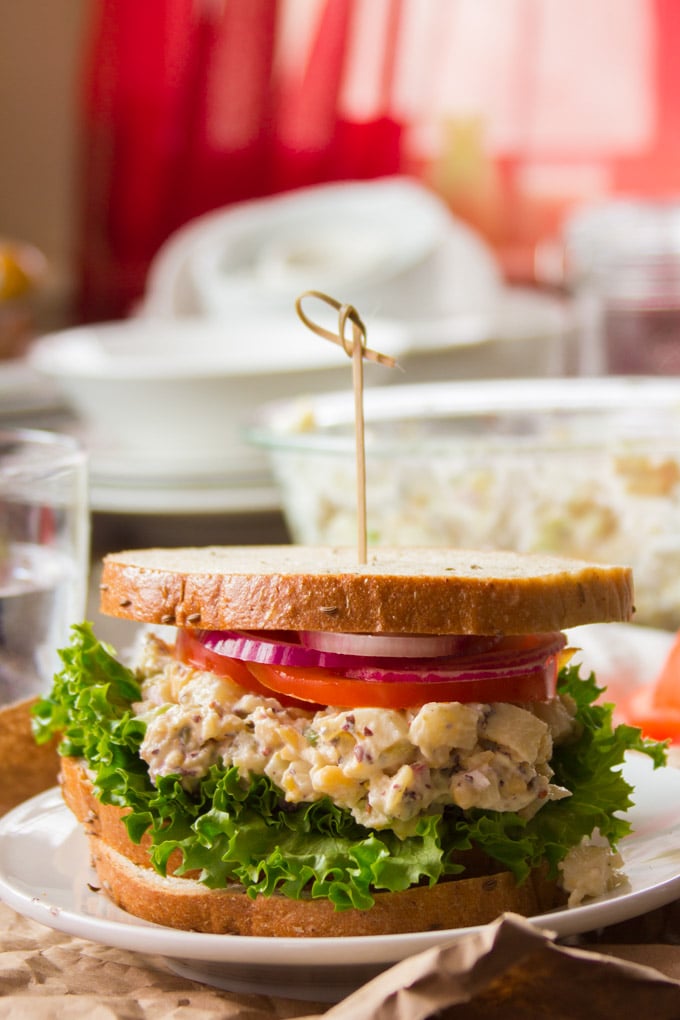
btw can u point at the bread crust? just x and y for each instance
(103, 821)
(424, 591)
(124, 871)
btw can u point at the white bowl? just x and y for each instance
(581, 467)
(173, 395)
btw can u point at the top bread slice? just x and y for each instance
(399, 590)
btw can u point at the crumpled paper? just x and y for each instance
(508, 969)
(48, 975)
(511, 969)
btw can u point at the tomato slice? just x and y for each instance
(328, 688)
(189, 649)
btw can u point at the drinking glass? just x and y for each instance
(44, 555)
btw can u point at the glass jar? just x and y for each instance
(623, 267)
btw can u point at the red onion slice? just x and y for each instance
(478, 659)
(508, 667)
(256, 646)
(284, 649)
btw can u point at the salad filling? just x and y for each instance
(387, 767)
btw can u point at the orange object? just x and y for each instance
(656, 709)
(666, 690)
(21, 268)
(658, 723)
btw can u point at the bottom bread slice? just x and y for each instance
(189, 905)
(126, 877)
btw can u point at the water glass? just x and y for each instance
(44, 555)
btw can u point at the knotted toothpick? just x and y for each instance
(354, 347)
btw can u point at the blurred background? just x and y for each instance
(493, 185)
(121, 121)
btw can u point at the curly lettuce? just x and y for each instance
(235, 830)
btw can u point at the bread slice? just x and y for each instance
(124, 870)
(26, 768)
(425, 591)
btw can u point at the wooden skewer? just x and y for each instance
(355, 347)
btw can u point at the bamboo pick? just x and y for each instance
(355, 347)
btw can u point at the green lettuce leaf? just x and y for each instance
(235, 830)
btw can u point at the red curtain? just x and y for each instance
(186, 110)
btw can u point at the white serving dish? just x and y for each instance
(160, 397)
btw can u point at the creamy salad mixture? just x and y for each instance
(386, 766)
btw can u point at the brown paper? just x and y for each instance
(509, 969)
(44, 973)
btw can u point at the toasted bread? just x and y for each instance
(420, 591)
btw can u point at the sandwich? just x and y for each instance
(304, 745)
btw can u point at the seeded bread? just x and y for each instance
(126, 876)
(423, 591)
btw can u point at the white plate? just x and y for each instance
(185, 498)
(153, 492)
(45, 875)
(135, 481)
(623, 657)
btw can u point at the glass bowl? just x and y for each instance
(578, 467)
